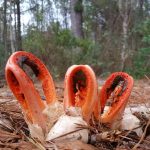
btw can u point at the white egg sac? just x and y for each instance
(67, 128)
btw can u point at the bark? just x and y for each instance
(5, 28)
(19, 39)
(11, 32)
(124, 7)
(65, 13)
(42, 21)
(76, 18)
(141, 12)
(124, 53)
(1, 29)
(15, 26)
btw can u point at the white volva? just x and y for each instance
(66, 125)
(130, 121)
(60, 124)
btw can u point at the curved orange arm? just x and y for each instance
(116, 90)
(23, 87)
(80, 89)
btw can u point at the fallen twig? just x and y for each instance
(147, 78)
(66, 134)
(34, 142)
(142, 137)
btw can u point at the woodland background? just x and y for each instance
(109, 35)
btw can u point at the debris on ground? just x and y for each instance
(14, 133)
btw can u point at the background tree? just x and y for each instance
(19, 38)
(5, 27)
(76, 18)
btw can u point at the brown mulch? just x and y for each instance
(14, 133)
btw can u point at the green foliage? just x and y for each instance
(33, 40)
(45, 46)
(142, 63)
(142, 57)
(78, 50)
(63, 37)
(146, 32)
(39, 16)
(89, 53)
(78, 7)
(59, 49)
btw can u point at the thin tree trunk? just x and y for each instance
(11, 32)
(42, 21)
(15, 26)
(1, 31)
(76, 18)
(124, 11)
(65, 13)
(19, 39)
(5, 28)
(124, 53)
(141, 9)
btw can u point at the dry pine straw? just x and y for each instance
(17, 136)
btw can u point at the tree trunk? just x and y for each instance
(19, 39)
(65, 13)
(5, 28)
(42, 13)
(124, 7)
(124, 53)
(76, 18)
(11, 31)
(1, 29)
(15, 26)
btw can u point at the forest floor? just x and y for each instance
(14, 133)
